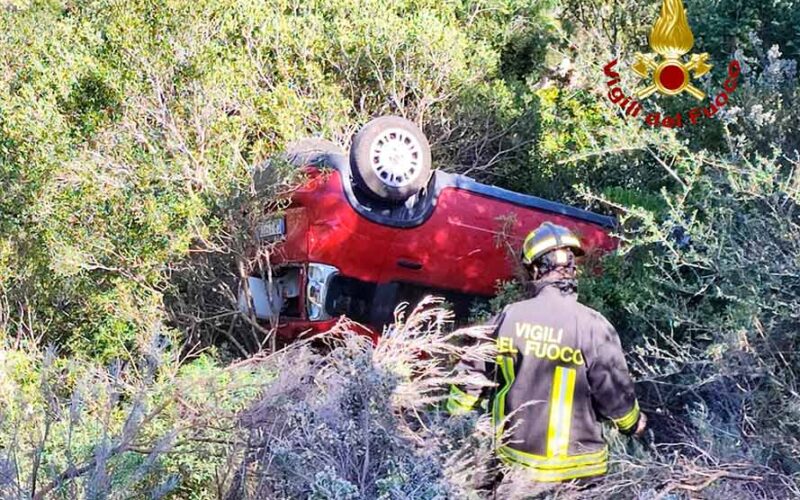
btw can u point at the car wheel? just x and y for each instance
(391, 158)
(309, 151)
(300, 153)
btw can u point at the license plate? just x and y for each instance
(271, 229)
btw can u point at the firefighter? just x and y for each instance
(559, 368)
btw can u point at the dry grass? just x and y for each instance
(351, 420)
(362, 420)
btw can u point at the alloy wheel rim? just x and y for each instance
(396, 157)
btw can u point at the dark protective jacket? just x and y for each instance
(559, 369)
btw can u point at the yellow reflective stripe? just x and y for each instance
(551, 242)
(560, 411)
(539, 247)
(530, 236)
(454, 408)
(506, 365)
(566, 416)
(459, 401)
(628, 420)
(461, 397)
(539, 473)
(568, 474)
(542, 462)
(555, 413)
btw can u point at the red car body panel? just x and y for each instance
(457, 246)
(292, 328)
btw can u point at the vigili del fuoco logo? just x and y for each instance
(667, 71)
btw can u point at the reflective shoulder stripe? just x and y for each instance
(459, 401)
(627, 421)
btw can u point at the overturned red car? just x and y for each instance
(378, 227)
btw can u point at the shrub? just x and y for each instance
(352, 420)
(361, 422)
(146, 427)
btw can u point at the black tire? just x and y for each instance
(391, 158)
(310, 151)
(300, 153)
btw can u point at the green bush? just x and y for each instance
(129, 130)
